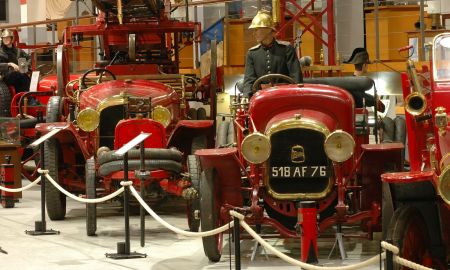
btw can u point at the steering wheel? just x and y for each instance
(100, 71)
(271, 77)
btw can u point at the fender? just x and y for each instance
(186, 130)
(384, 157)
(67, 135)
(226, 162)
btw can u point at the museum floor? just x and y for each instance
(72, 249)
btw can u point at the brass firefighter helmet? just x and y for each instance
(263, 19)
(7, 33)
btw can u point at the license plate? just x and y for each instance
(299, 171)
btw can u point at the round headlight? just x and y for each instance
(88, 119)
(256, 148)
(339, 146)
(444, 185)
(162, 115)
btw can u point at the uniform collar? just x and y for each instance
(269, 46)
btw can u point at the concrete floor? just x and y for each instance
(72, 249)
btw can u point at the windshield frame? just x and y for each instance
(436, 43)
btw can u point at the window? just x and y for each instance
(3, 12)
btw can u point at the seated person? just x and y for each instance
(360, 58)
(270, 55)
(10, 55)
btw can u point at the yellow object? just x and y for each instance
(276, 11)
(256, 148)
(444, 185)
(162, 115)
(88, 119)
(7, 33)
(339, 146)
(262, 20)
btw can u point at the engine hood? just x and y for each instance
(331, 107)
(110, 93)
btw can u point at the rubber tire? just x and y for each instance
(5, 100)
(231, 137)
(7, 202)
(387, 210)
(53, 109)
(403, 218)
(210, 214)
(388, 130)
(91, 208)
(222, 134)
(201, 114)
(193, 167)
(55, 200)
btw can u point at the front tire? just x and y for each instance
(55, 200)
(408, 231)
(5, 100)
(210, 214)
(193, 206)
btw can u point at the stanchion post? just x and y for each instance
(40, 227)
(389, 257)
(123, 248)
(7, 180)
(237, 244)
(142, 176)
(126, 205)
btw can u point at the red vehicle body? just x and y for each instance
(280, 173)
(149, 95)
(421, 197)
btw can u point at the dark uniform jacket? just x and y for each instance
(280, 58)
(20, 81)
(12, 55)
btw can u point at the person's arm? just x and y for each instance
(250, 75)
(293, 65)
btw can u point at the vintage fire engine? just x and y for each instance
(17, 105)
(136, 88)
(302, 150)
(420, 198)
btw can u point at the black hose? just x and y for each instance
(28, 123)
(115, 166)
(149, 153)
(388, 130)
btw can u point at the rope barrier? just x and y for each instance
(395, 250)
(70, 195)
(173, 228)
(290, 260)
(30, 185)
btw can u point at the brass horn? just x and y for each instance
(415, 103)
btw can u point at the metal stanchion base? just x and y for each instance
(123, 254)
(339, 243)
(132, 255)
(255, 251)
(39, 229)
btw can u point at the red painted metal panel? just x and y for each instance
(126, 130)
(329, 102)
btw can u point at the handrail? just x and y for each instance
(200, 3)
(2, 26)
